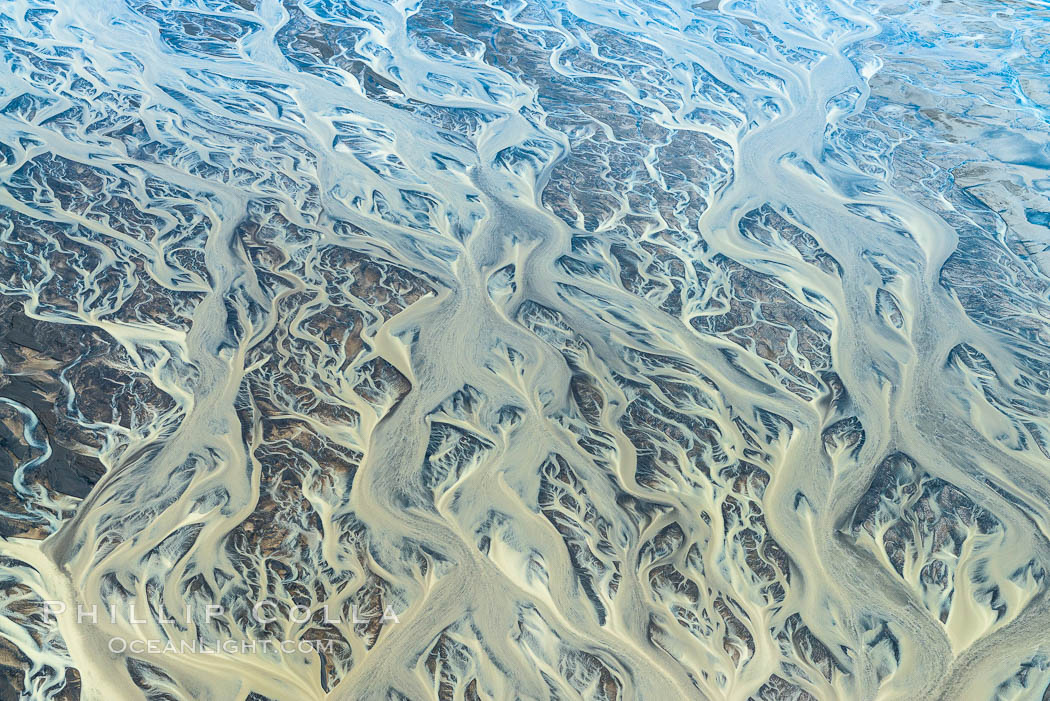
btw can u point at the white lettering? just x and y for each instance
(54, 608)
(131, 616)
(328, 620)
(81, 614)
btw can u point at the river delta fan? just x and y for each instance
(606, 350)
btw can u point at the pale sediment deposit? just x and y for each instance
(608, 350)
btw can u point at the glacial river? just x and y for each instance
(609, 350)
